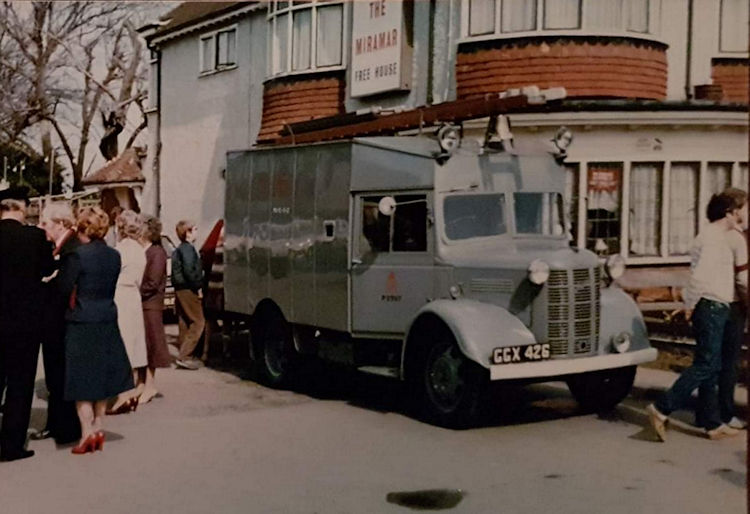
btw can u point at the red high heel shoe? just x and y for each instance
(99, 443)
(87, 446)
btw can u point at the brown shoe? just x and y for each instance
(658, 422)
(721, 432)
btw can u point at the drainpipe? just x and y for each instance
(689, 54)
(157, 155)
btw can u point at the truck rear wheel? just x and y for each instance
(272, 350)
(448, 385)
(601, 391)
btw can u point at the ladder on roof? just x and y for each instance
(380, 122)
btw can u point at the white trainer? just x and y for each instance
(658, 422)
(721, 432)
(737, 424)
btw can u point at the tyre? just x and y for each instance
(449, 387)
(601, 391)
(272, 350)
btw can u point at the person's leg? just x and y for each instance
(85, 412)
(100, 411)
(149, 388)
(730, 357)
(182, 323)
(191, 305)
(709, 320)
(21, 355)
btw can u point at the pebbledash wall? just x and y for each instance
(657, 97)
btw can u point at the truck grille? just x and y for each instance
(573, 311)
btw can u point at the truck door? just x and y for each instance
(392, 262)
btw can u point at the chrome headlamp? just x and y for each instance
(538, 271)
(615, 266)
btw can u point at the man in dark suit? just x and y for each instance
(58, 222)
(25, 258)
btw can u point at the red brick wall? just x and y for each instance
(618, 68)
(299, 99)
(732, 76)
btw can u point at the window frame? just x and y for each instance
(272, 15)
(213, 37)
(653, 20)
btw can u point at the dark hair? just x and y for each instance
(738, 196)
(719, 205)
(152, 230)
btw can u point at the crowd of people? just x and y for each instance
(96, 311)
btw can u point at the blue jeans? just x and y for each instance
(709, 323)
(734, 333)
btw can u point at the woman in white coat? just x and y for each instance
(128, 301)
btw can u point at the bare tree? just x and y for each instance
(63, 66)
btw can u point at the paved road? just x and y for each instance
(217, 443)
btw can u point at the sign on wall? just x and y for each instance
(380, 54)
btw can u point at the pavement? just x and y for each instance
(216, 442)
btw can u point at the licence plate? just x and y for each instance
(521, 353)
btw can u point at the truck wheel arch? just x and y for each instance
(477, 328)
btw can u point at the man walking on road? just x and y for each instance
(25, 258)
(710, 292)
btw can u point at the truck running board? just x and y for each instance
(383, 371)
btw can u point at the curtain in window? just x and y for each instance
(281, 44)
(603, 14)
(518, 15)
(481, 17)
(301, 39)
(329, 35)
(637, 15)
(562, 14)
(734, 16)
(645, 208)
(683, 207)
(718, 177)
(742, 179)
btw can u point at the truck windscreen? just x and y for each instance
(539, 213)
(474, 215)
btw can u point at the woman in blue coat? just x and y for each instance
(96, 364)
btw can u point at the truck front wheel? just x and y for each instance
(601, 391)
(448, 385)
(272, 347)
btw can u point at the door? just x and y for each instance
(392, 272)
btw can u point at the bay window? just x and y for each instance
(305, 35)
(616, 17)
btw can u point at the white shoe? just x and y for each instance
(658, 422)
(736, 423)
(721, 432)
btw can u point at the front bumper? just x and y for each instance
(560, 367)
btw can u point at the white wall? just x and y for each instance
(201, 119)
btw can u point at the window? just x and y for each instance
(733, 30)
(562, 14)
(645, 208)
(718, 177)
(488, 17)
(539, 213)
(683, 206)
(475, 215)
(407, 226)
(603, 212)
(305, 35)
(218, 50)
